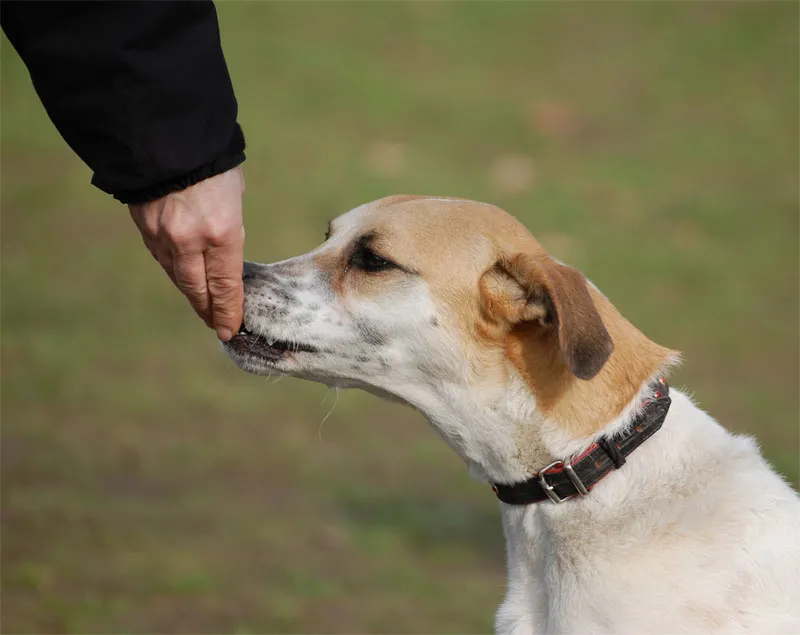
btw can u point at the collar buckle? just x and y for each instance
(550, 491)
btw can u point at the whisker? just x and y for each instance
(325, 418)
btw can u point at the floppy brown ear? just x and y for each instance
(527, 288)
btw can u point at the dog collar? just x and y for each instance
(562, 480)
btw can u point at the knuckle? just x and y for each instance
(179, 226)
(149, 228)
(225, 289)
(180, 233)
(190, 284)
(222, 231)
(146, 221)
(191, 290)
(224, 225)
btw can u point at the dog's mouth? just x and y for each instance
(249, 343)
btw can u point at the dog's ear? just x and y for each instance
(537, 289)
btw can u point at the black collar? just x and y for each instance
(562, 480)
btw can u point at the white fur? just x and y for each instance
(695, 534)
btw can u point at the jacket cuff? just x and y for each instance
(233, 156)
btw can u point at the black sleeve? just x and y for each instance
(139, 90)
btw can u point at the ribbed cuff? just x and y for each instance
(233, 156)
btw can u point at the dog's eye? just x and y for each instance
(367, 260)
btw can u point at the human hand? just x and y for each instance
(197, 236)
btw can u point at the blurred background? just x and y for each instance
(148, 486)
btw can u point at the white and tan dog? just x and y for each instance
(452, 307)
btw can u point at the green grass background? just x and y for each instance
(148, 486)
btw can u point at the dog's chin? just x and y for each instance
(261, 355)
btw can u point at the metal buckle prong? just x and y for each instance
(549, 489)
(575, 479)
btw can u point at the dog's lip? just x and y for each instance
(260, 343)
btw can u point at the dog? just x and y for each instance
(625, 508)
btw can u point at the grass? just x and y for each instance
(148, 486)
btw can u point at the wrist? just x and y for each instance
(233, 157)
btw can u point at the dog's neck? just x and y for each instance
(508, 431)
(505, 438)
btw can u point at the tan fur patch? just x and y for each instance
(583, 407)
(332, 264)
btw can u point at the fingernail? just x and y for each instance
(224, 333)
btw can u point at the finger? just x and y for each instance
(161, 255)
(224, 275)
(164, 258)
(160, 252)
(190, 278)
(151, 246)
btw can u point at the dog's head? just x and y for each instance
(440, 303)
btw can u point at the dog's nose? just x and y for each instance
(256, 275)
(250, 271)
